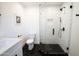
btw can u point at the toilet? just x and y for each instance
(30, 42)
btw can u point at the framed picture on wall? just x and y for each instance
(18, 19)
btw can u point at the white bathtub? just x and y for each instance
(8, 43)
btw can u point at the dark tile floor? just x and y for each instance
(44, 50)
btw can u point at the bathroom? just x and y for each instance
(39, 28)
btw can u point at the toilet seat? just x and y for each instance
(29, 41)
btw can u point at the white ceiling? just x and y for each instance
(24, 4)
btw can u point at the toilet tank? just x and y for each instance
(31, 36)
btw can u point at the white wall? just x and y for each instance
(49, 19)
(29, 20)
(9, 11)
(66, 23)
(11, 8)
(74, 44)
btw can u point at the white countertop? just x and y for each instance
(7, 43)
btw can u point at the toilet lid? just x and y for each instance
(29, 41)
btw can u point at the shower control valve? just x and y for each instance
(63, 29)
